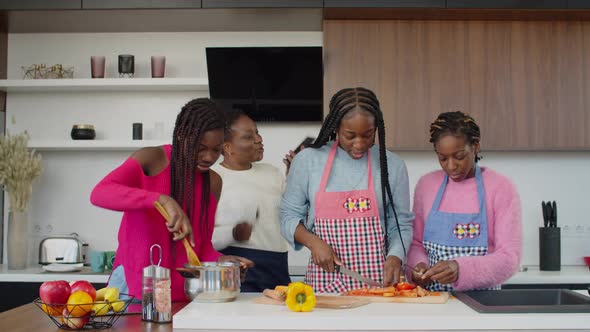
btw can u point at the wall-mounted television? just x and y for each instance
(270, 84)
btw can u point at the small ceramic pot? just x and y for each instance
(83, 131)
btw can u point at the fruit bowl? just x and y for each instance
(85, 316)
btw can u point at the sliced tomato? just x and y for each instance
(404, 286)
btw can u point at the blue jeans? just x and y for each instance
(117, 279)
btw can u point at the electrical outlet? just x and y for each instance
(567, 230)
(574, 230)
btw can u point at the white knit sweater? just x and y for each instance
(244, 193)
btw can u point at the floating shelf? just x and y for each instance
(93, 145)
(105, 84)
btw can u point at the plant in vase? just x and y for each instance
(19, 168)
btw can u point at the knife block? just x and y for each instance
(549, 248)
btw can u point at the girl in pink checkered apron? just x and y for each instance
(453, 249)
(347, 200)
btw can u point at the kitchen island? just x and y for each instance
(243, 315)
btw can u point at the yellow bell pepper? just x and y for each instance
(300, 297)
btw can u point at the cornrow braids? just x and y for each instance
(456, 124)
(195, 118)
(363, 99)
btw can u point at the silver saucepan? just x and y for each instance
(211, 282)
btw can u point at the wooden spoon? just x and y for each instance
(193, 259)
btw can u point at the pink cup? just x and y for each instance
(158, 66)
(97, 66)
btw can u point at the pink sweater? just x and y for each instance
(129, 190)
(504, 226)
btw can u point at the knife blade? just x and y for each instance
(554, 214)
(357, 276)
(546, 222)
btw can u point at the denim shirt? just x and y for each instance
(303, 181)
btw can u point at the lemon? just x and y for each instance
(118, 306)
(52, 310)
(100, 308)
(111, 294)
(100, 294)
(79, 304)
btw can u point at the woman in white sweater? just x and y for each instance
(247, 217)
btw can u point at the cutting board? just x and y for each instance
(436, 299)
(322, 301)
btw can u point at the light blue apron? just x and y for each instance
(450, 235)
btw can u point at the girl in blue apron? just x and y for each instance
(449, 236)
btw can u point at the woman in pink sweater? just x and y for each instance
(178, 177)
(467, 231)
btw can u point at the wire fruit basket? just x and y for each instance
(85, 316)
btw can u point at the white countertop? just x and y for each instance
(568, 275)
(37, 274)
(243, 315)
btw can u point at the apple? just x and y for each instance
(74, 322)
(84, 286)
(54, 294)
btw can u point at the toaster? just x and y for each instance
(61, 249)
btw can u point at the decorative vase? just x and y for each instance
(17, 240)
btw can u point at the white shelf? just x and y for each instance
(105, 84)
(93, 145)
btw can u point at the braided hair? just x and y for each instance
(456, 124)
(196, 117)
(343, 102)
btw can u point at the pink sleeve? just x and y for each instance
(417, 253)
(121, 189)
(496, 267)
(207, 253)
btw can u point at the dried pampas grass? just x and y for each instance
(19, 167)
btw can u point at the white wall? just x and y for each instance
(60, 200)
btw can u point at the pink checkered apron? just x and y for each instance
(348, 221)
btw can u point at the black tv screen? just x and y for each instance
(281, 84)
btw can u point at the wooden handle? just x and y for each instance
(190, 253)
(162, 211)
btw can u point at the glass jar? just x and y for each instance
(156, 300)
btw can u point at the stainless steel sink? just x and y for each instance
(525, 301)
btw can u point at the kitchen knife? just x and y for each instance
(357, 276)
(545, 216)
(554, 214)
